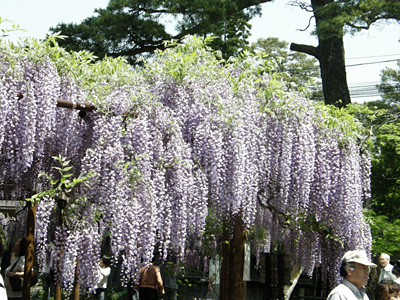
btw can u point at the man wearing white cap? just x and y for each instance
(355, 271)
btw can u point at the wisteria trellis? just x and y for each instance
(171, 141)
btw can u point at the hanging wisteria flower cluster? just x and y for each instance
(172, 142)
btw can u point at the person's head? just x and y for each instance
(387, 290)
(384, 259)
(156, 259)
(355, 267)
(105, 261)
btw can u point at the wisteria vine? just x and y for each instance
(172, 142)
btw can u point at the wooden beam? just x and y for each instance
(75, 105)
(68, 104)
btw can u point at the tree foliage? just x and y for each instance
(351, 15)
(381, 122)
(385, 233)
(4, 32)
(381, 133)
(297, 70)
(135, 27)
(390, 85)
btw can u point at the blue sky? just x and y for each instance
(278, 20)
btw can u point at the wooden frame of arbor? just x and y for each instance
(83, 110)
(232, 283)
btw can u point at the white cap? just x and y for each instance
(358, 256)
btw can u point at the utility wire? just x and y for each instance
(359, 91)
(312, 68)
(362, 57)
(371, 63)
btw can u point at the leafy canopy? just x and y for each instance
(390, 84)
(133, 27)
(351, 15)
(381, 133)
(297, 70)
(385, 234)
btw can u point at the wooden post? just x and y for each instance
(30, 232)
(76, 281)
(57, 293)
(60, 206)
(281, 275)
(237, 253)
(233, 287)
(224, 273)
(268, 276)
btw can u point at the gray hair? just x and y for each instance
(385, 256)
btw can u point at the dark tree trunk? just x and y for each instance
(237, 254)
(330, 54)
(333, 72)
(233, 287)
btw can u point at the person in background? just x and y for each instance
(48, 274)
(386, 271)
(150, 282)
(355, 271)
(3, 292)
(104, 273)
(373, 278)
(170, 283)
(16, 268)
(5, 260)
(214, 278)
(396, 272)
(387, 290)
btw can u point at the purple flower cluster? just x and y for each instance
(170, 144)
(44, 218)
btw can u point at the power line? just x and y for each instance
(362, 57)
(360, 91)
(364, 83)
(312, 68)
(371, 63)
